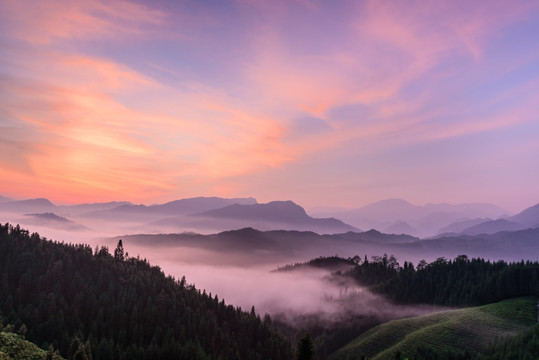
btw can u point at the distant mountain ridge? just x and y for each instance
(29, 205)
(401, 227)
(79, 209)
(172, 208)
(210, 214)
(398, 215)
(50, 219)
(492, 227)
(250, 246)
(275, 215)
(460, 226)
(285, 211)
(526, 219)
(49, 216)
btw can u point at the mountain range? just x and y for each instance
(201, 214)
(249, 246)
(275, 215)
(527, 219)
(214, 214)
(400, 216)
(172, 208)
(50, 219)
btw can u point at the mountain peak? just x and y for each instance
(274, 210)
(528, 217)
(48, 216)
(36, 201)
(287, 205)
(28, 205)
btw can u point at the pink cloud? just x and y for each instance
(88, 140)
(43, 21)
(94, 123)
(390, 45)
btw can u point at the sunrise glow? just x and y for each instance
(323, 103)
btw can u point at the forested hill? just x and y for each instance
(458, 282)
(120, 307)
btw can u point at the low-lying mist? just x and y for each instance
(237, 267)
(299, 298)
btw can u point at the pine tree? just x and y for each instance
(119, 251)
(305, 350)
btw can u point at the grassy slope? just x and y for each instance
(454, 330)
(13, 346)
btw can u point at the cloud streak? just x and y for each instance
(151, 100)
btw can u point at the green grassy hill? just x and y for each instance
(452, 331)
(14, 347)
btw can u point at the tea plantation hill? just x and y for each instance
(442, 335)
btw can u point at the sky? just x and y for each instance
(326, 103)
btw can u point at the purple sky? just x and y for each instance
(324, 103)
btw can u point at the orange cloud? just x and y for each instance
(101, 128)
(86, 124)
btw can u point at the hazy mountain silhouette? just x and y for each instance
(492, 227)
(26, 206)
(423, 220)
(375, 236)
(468, 210)
(213, 214)
(253, 247)
(172, 208)
(282, 211)
(49, 217)
(285, 215)
(389, 210)
(506, 245)
(52, 220)
(400, 227)
(199, 204)
(80, 209)
(459, 226)
(4, 199)
(245, 246)
(529, 218)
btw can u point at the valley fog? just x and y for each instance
(294, 296)
(246, 278)
(237, 264)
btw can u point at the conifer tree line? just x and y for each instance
(97, 305)
(458, 282)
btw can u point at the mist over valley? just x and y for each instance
(249, 260)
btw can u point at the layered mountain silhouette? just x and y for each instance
(460, 226)
(254, 247)
(284, 215)
(492, 227)
(130, 211)
(377, 237)
(401, 227)
(82, 209)
(52, 220)
(25, 206)
(529, 218)
(214, 214)
(397, 215)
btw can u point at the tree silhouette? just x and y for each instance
(305, 350)
(119, 251)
